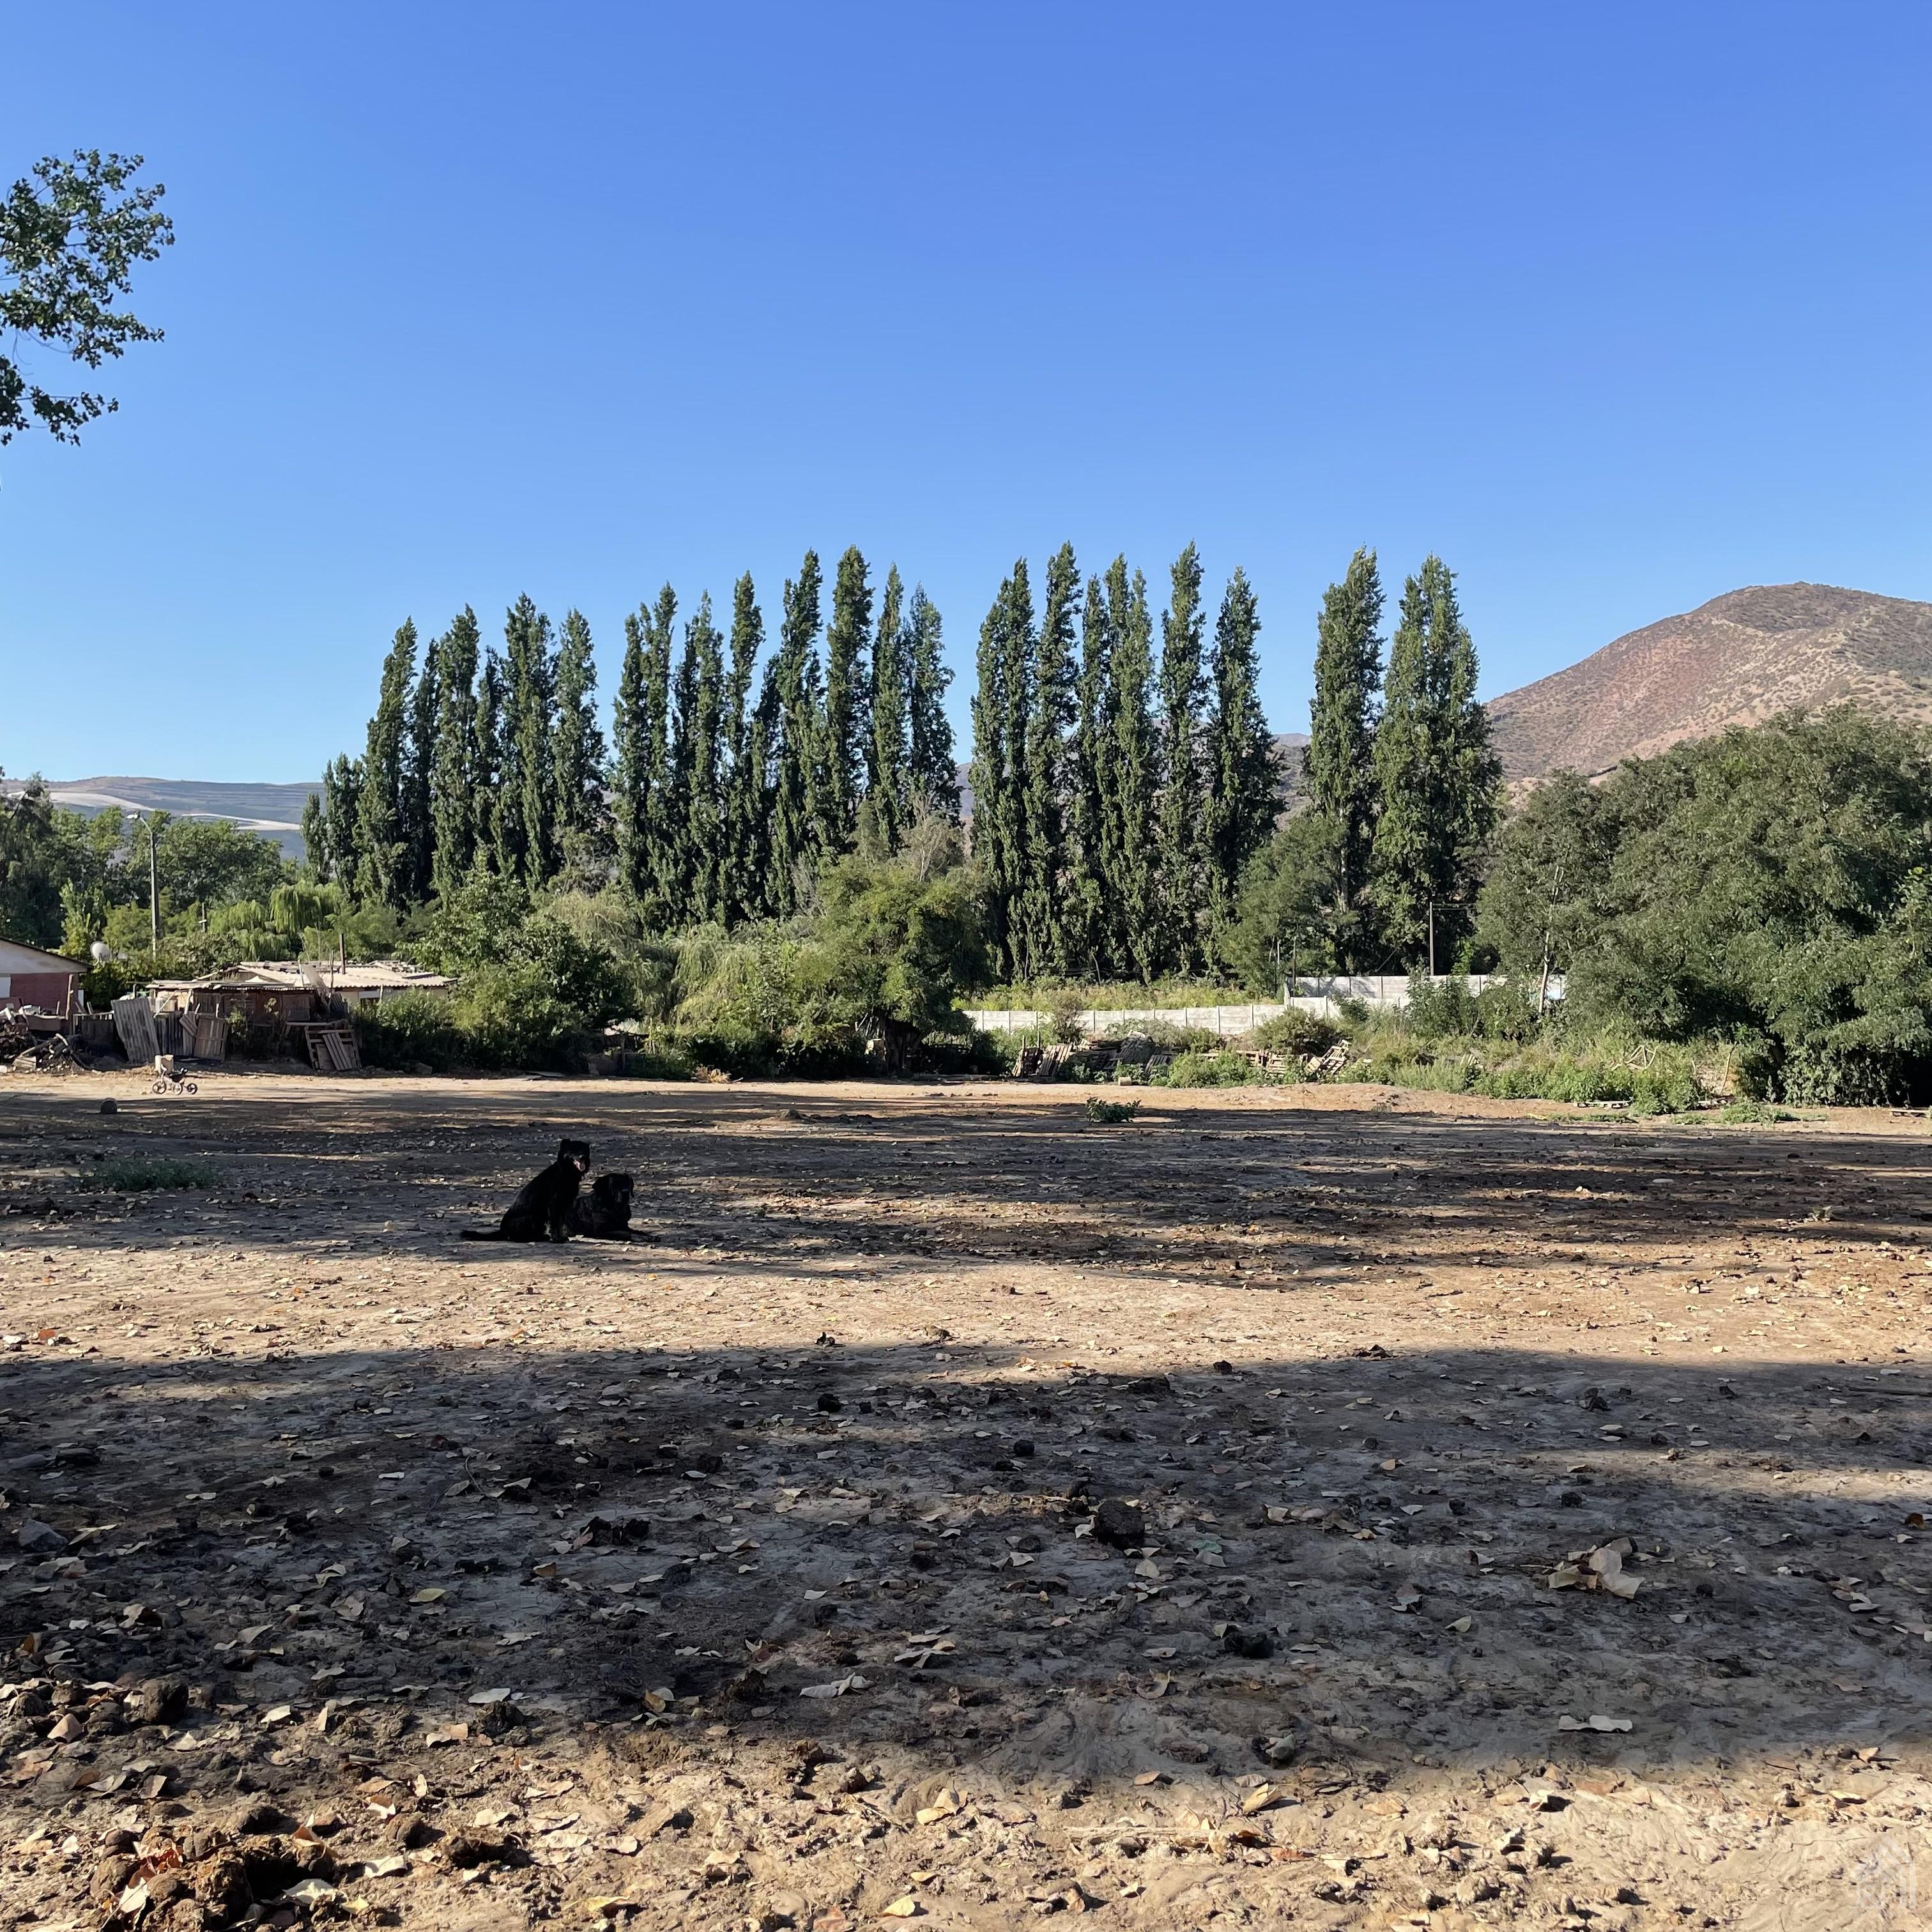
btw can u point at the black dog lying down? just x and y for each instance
(541, 1211)
(605, 1215)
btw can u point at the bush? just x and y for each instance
(1209, 1070)
(1164, 1036)
(1439, 1009)
(1109, 1113)
(1297, 1031)
(1506, 1011)
(1752, 1114)
(1064, 1009)
(413, 1029)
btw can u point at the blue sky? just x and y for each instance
(1617, 308)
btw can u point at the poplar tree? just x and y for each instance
(454, 832)
(745, 813)
(378, 837)
(419, 775)
(1439, 782)
(1339, 760)
(702, 763)
(1244, 780)
(1089, 917)
(1044, 945)
(1001, 709)
(1135, 774)
(997, 837)
(487, 792)
(795, 690)
(525, 785)
(341, 810)
(630, 765)
(663, 835)
(843, 744)
(934, 773)
(888, 786)
(1181, 690)
(576, 758)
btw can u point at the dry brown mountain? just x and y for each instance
(1737, 660)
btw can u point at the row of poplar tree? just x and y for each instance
(724, 784)
(1120, 793)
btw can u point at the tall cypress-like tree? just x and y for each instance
(381, 843)
(998, 841)
(663, 831)
(631, 764)
(1439, 782)
(453, 797)
(492, 708)
(1244, 777)
(743, 890)
(700, 761)
(934, 775)
(1089, 923)
(419, 774)
(341, 813)
(798, 723)
(577, 758)
(1135, 774)
(1338, 761)
(1042, 924)
(526, 785)
(841, 766)
(888, 753)
(1182, 689)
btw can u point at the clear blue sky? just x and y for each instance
(1617, 307)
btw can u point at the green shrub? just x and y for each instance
(1209, 1070)
(1297, 1031)
(1062, 1010)
(1439, 1009)
(1168, 1038)
(413, 1029)
(1506, 1011)
(1109, 1113)
(1752, 1114)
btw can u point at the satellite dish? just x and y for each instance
(99, 953)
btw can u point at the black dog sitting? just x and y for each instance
(541, 1211)
(605, 1215)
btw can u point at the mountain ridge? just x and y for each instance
(1739, 659)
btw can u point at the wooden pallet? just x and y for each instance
(331, 1046)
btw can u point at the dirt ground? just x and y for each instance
(958, 1511)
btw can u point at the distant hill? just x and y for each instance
(273, 810)
(1737, 660)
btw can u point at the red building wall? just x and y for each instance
(47, 990)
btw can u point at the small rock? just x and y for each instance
(828, 1404)
(1251, 1643)
(109, 1107)
(1119, 1524)
(157, 1700)
(40, 1536)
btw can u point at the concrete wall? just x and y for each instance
(1320, 996)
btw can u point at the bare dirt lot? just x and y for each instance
(1316, 1504)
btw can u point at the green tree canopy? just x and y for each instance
(71, 233)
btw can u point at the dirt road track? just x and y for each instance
(467, 1586)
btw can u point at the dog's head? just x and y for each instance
(576, 1153)
(612, 1190)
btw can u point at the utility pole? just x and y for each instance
(153, 888)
